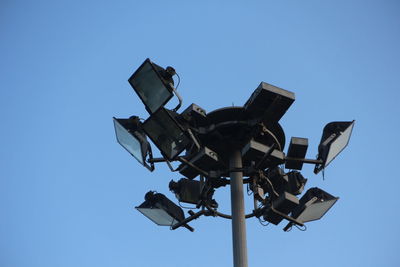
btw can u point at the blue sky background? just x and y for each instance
(68, 190)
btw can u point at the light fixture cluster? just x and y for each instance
(202, 143)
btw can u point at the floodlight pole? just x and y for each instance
(237, 207)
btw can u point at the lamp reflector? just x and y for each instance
(153, 85)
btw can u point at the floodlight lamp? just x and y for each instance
(256, 151)
(153, 85)
(194, 115)
(166, 133)
(280, 207)
(312, 206)
(275, 181)
(297, 149)
(296, 183)
(279, 182)
(188, 191)
(205, 160)
(335, 137)
(162, 211)
(131, 137)
(269, 102)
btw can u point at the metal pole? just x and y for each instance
(238, 216)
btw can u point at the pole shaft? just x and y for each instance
(238, 216)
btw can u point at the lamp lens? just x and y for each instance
(158, 216)
(339, 144)
(316, 210)
(150, 87)
(128, 141)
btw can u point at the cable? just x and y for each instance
(249, 192)
(272, 187)
(179, 81)
(304, 228)
(262, 222)
(270, 183)
(172, 224)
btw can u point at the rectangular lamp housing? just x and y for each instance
(335, 138)
(269, 102)
(285, 204)
(153, 89)
(132, 138)
(254, 151)
(205, 159)
(166, 133)
(195, 115)
(313, 205)
(188, 191)
(161, 210)
(297, 149)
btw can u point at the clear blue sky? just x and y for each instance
(68, 190)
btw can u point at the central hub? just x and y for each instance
(232, 128)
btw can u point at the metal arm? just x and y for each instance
(309, 161)
(189, 219)
(202, 172)
(266, 155)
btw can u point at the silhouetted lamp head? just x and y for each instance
(312, 206)
(162, 211)
(269, 102)
(166, 133)
(335, 138)
(130, 136)
(186, 190)
(153, 84)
